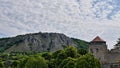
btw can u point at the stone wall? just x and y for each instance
(106, 65)
(113, 57)
(99, 51)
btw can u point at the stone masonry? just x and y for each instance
(108, 58)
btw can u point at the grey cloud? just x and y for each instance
(75, 18)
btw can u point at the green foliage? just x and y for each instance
(70, 57)
(37, 62)
(22, 63)
(15, 63)
(87, 61)
(52, 63)
(1, 64)
(61, 55)
(71, 51)
(8, 42)
(67, 63)
(81, 43)
(47, 55)
(117, 45)
(70, 64)
(82, 51)
(55, 54)
(5, 56)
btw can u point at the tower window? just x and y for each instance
(97, 50)
(91, 50)
(99, 58)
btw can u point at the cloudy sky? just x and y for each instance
(83, 19)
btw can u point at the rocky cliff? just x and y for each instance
(36, 42)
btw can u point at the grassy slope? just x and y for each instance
(80, 43)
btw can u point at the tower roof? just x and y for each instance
(98, 39)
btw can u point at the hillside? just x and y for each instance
(39, 42)
(80, 43)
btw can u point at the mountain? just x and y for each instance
(39, 42)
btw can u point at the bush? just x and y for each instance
(36, 62)
(1, 64)
(71, 51)
(88, 61)
(67, 63)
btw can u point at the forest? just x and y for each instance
(69, 57)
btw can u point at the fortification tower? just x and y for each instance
(98, 48)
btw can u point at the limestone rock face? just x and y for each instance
(36, 42)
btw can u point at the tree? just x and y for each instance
(71, 51)
(61, 55)
(14, 64)
(70, 64)
(47, 55)
(67, 63)
(1, 64)
(36, 62)
(88, 61)
(117, 46)
(82, 51)
(52, 63)
(55, 54)
(22, 63)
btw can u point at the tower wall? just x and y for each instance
(99, 51)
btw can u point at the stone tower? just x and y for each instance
(98, 48)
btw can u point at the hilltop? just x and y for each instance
(39, 42)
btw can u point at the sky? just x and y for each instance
(82, 19)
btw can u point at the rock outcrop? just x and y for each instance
(36, 42)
